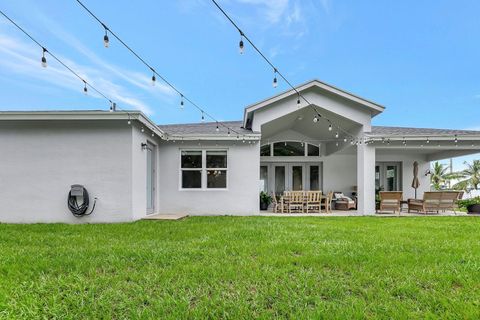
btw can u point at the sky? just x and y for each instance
(420, 59)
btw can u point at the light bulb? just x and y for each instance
(241, 47)
(329, 127)
(153, 79)
(129, 122)
(106, 41)
(181, 102)
(344, 139)
(85, 90)
(44, 60)
(336, 135)
(217, 128)
(275, 82)
(143, 130)
(315, 119)
(203, 117)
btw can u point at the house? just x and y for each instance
(136, 167)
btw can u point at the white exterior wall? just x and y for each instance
(40, 160)
(340, 173)
(241, 195)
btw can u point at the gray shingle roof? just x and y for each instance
(206, 128)
(209, 128)
(402, 131)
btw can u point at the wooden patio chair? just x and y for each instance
(314, 199)
(277, 204)
(327, 202)
(434, 201)
(391, 201)
(296, 201)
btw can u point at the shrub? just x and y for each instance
(468, 202)
(265, 198)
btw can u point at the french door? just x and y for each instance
(280, 177)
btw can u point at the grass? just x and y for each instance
(244, 267)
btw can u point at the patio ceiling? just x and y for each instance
(301, 121)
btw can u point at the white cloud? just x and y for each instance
(18, 57)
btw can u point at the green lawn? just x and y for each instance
(244, 267)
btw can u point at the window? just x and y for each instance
(216, 169)
(265, 150)
(204, 169)
(288, 148)
(313, 150)
(191, 169)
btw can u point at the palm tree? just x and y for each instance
(470, 176)
(439, 175)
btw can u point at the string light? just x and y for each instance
(153, 78)
(344, 139)
(336, 134)
(275, 81)
(329, 127)
(428, 140)
(298, 101)
(243, 36)
(143, 130)
(106, 41)
(336, 143)
(85, 90)
(44, 59)
(241, 46)
(456, 139)
(315, 119)
(155, 73)
(217, 129)
(203, 117)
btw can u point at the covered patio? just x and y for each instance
(300, 151)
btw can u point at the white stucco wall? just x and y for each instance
(40, 160)
(241, 195)
(340, 173)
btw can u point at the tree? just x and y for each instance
(439, 175)
(470, 177)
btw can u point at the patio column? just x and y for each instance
(366, 179)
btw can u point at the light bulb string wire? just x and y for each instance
(277, 71)
(149, 66)
(45, 50)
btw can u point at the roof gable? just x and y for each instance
(374, 107)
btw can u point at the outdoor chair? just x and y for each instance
(314, 199)
(343, 202)
(434, 201)
(327, 202)
(277, 204)
(390, 201)
(296, 201)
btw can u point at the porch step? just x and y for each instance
(163, 216)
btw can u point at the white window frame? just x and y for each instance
(203, 170)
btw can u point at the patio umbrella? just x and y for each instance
(415, 182)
